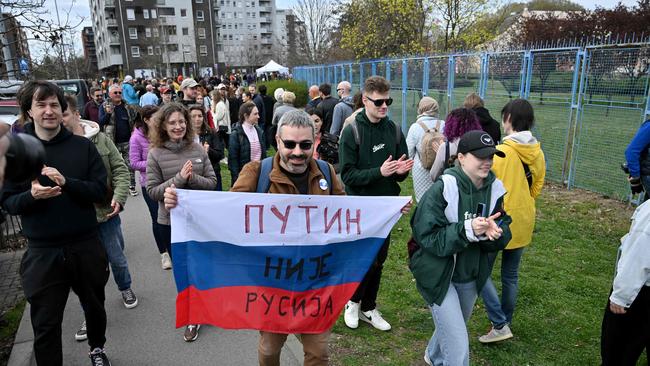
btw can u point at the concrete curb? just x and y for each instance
(22, 353)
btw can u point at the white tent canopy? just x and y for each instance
(272, 66)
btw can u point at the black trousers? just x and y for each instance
(166, 236)
(47, 275)
(368, 289)
(624, 336)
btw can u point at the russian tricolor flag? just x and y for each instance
(273, 262)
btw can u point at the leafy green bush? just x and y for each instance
(297, 87)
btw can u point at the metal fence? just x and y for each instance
(589, 101)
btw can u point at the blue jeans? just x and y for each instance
(449, 344)
(500, 312)
(155, 226)
(110, 234)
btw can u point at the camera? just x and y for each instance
(25, 158)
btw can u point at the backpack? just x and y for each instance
(328, 149)
(264, 183)
(430, 143)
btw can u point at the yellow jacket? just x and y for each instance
(519, 203)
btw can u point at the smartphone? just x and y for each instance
(480, 210)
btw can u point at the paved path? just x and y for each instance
(145, 335)
(11, 291)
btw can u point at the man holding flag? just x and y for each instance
(294, 171)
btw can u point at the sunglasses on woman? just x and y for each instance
(304, 145)
(380, 102)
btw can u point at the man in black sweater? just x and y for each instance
(58, 218)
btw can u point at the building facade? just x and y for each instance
(154, 38)
(15, 59)
(90, 53)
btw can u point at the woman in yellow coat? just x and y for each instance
(522, 172)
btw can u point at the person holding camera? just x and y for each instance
(637, 156)
(58, 216)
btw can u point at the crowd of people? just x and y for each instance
(475, 183)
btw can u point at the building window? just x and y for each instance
(158, 52)
(135, 51)
(147, 32)
(156, 33)
(171, 30)
(199, 1)
(172, 47)
(201, 33)
(145, 13)
(186, 31)
(133, 33)
(199, 15)
(130, 14)
(150, 50)
(183, 13)
(154, 13)
(203, 50)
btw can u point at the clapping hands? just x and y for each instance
(487, 226)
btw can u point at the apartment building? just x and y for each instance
(153, 38)
(90, 53)
(15, 59)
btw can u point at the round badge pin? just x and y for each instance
(322, 184)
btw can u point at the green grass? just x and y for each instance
(9, 323)
(565, 278)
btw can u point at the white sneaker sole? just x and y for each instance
(427, 360)
(195, 337)
(132, 305)
(485, 340)
(80, 338)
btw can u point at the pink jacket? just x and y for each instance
(138, 150)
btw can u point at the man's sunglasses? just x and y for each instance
(304, 145)
(116, 92)
(380, 102)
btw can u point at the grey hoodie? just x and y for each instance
(342, 110)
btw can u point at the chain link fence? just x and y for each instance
(588, 101)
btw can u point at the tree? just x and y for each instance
(318, 19)
(383, 28)
(457, 17)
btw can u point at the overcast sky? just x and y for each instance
(79, 9)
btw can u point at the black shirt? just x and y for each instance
(301, 181)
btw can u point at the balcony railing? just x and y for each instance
(111, 22)
(109, 3)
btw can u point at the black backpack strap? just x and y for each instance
(263, 181)
(398, 138)
(446, 164)
(325, 169)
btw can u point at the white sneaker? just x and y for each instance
(496, 335)
(426, 359)
(166, 261)
(351, 315)
(374, 318)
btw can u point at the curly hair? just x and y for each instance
(459, 121)
(158, 133)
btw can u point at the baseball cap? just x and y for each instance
(480, 144)
(221, 86)
(128, 78)
(189, 83)
(165, 90)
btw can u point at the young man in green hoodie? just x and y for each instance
(373, 160)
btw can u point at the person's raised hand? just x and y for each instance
(186, 170)
(54, 174)
(41, 192)
(389, 167)
(170, 198)
(404, 165)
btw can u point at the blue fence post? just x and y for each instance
(647, 107)
(576, 113)
(373, 68)
(524, 74)
(404, 91)
(529, 75)
(485, 71)
(582, 86)
(451, 71)
(360, 75)
(425, 77)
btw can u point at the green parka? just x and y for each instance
(441, 226)
(116, 169)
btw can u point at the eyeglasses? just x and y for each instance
(116, 92)
(339, 89)
(380, 102)
(304, 145)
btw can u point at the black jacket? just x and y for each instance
(488, 124)
(259, 103)
(234, 104)
(327, 110)
(268, 107)
(70, 216)
(215, 151)
(239, 149)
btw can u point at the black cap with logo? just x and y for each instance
(479, 144)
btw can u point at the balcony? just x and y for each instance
(265, 9)
(114, 40)
(267, 41)
(109, 3)
(265, 30)
(265, 20)
(116, 59)
(111, 22)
